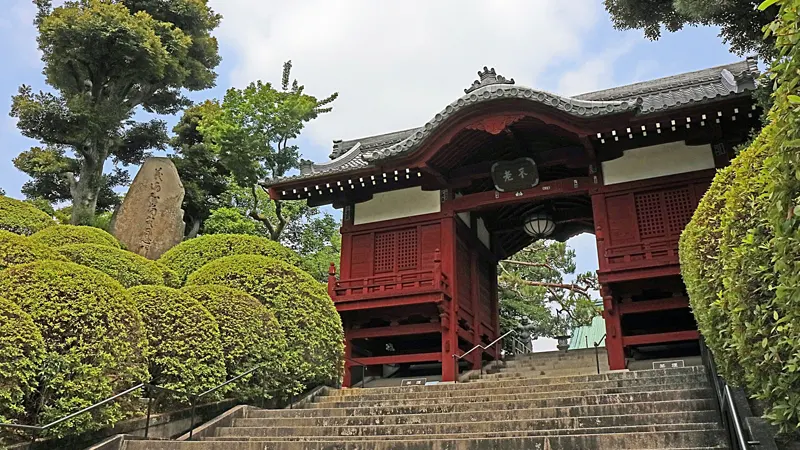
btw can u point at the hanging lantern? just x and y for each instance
(539, 225)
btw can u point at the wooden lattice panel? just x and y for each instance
(679, 208)
(385, 251)
(407, 249)
(649, 215)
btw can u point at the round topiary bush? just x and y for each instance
(61, 235)
(171, 278)
(301, 304)
(250, 337)
(126, 267)
(192, 254)
(22, 218)
(21, 354)
(185, 352)
(93, 337)
(16, 249)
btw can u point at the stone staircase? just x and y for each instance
(543, 401)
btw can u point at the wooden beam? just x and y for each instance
(494, 199)
(567, 156)
(660, 338)
(397, 330)
(663, 304)
(416, 299)
(398, 359)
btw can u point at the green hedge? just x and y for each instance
(61, 235)
(185, 352)
(16, 249)
(250, 337)
(21, 354)
(192, 254)
(93, 339)
(21, 217)
(126, 267)
(301, 304)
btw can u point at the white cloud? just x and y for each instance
(596, 72)
(395, 64)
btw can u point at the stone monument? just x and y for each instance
(150, 220)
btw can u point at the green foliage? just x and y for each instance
(105, 59)
(250, 134)
(302, 306)
(230, 221)
(21, 355)
(93, 339)
(534, 296)
(250, 337)
(740, 254)
(740, 22)
(21, 217)
(126, 267)
(61, 235)
(16, 249)
(192, 254)
(185, 352)
(171, 278)
(205, 179)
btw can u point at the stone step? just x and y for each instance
(467, 436)
(553, 363)
(650, 418)
(535, 373)
(485, 391)
(674, 440)
(496, 403)
(645, 404)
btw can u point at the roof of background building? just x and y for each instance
(586, 336)
(643, 98)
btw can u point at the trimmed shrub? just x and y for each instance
(21, 354)
(250, 336)
(16, 249)
(93, 337)
(22, 218)
(61, 235)
(171, 278)
(192, 254)
(126, 267)
(301, 304)
(185, 352)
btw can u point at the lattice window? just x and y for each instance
(407, 249)
(649, 215)
(385, 252)
(679, 208)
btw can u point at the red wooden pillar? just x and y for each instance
(348, 353)
(448, 310)
(477, 356)
(614, 345)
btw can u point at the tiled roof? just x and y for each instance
(643, 98)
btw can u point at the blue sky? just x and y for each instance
(396, 64)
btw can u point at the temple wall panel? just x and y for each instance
(657, 161)
(483, 234)
(397, 204)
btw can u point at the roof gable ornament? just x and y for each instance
(488, 77)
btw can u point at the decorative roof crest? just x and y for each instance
(487, 77)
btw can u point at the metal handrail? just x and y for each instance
(725, 402)
(457, 358)
(597, 353)
(37, 429)
(363, 369)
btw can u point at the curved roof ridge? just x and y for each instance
(491, 92)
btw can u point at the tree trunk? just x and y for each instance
(84, 192)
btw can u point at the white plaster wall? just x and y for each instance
(657, 161)
(483, 234)
(397, 204)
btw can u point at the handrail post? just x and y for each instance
(149, 411)
(455, 368)
(191, 423)
(597, 357)
(363, 375)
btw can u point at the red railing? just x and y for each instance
(393, 284)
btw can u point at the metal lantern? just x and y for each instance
(539, 225)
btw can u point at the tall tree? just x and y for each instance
(740, 21)
(251, 134)
(534, 293)
(105, 59)
(206, 181)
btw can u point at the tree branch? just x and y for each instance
(570, 287)
(529, 264)
(255, 215)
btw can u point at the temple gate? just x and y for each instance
(429, 212)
